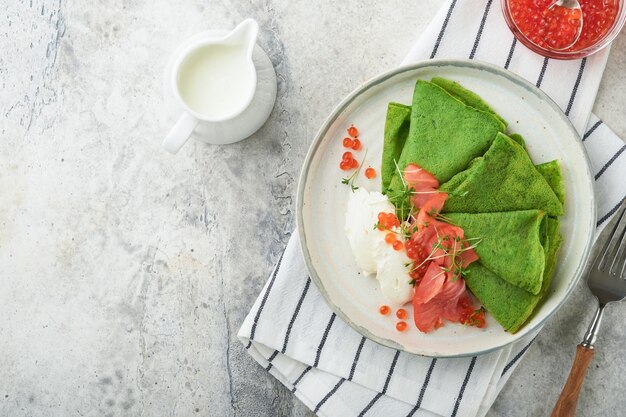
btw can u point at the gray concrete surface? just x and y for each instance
(126, 272)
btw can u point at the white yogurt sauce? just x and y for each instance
(371, 253)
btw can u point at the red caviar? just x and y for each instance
(401, 326)
(390, 238)
(384, 310)
(471, 317)
(387, 221)
(397, 245)
(559, 26)
(419, 254)
(348, 162)
(370, 173)
(415, 251)
(417, 272)
(556, 29)
(401, 314)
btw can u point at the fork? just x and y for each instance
(607, 282)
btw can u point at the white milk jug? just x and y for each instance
(214, 81)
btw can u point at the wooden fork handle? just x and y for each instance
(566, 405)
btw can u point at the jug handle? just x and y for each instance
(180, 133)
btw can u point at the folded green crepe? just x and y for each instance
(551, 171)
(396, 132)
(510, 244)
(510, 305)
(445, 134)
(503, 179)
(518, 139)
(466, 96)
(398, 120)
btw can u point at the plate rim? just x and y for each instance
(372, 82)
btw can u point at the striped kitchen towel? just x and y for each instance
(335, 371)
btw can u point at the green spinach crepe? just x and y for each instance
(551, 171)
(503, 237)
(511, 306)
(445, 134)
(396, 131)
(518, 139)
(466, 96)
(503, 179)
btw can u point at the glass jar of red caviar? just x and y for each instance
(602, 21)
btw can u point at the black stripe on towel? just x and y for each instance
(390, 373)
(293, 319)
(510, 57)
(443, 29)
(480, 29)
(608, 164)
(295, 314)
(323, 341)
(270, 359)
(542, 72)
(330, 394)
(591, 130)
(611, 212)
(267, 293)
(465, 381)
(380, 394)
(418, 404)
(370, 404)
(517, 357)
(318, 354)
(306, 370)
(356, 358)
(576, 84)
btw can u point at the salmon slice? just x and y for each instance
(419, 178)
(450, 302)
(440, 294)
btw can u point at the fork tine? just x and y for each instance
(623, 260)
(602, 256)
(619, 255)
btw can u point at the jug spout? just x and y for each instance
(244, 35)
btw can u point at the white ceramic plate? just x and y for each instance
(322, 199)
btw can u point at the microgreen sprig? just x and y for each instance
(456, 266)
(349, 181)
